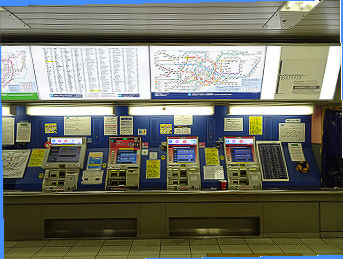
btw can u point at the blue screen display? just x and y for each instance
(241, 154)
(126, 157)
(184, 154)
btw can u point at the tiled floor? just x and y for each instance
(168, 248)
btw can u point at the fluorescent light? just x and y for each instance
(299, 6)
(49, 110)
(171, 110)
(6, 111)
(333, 65)
(270, 74)
(271, 110)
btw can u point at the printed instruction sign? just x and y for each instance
(233, 124)
(110, 126)
(126, 125)
(7, 131)
(255, 125)
(50, 128)
(296, 152)
(153, 169)
(211, 156)
(292, 132)
(166, 129)
(37, 157)
(213, 172)
(23, 132)
(94, 160)
(77, 126)
(183, 120)
(182, 130)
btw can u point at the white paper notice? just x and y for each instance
(292, 132)
(77, 126)
(296, 152)
(183, 120)
(126, 125)
(233, 124)
(110, 126)
(23, 132)
(213, 172)
(14, 162)
(92, 176)
(153, 155)
(92, 72)
(182, 130)
(7, 131)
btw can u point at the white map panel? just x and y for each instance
(226, 69)
(17, 74)
(14, 162)
(92, 72)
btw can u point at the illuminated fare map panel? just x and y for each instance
(217, 72)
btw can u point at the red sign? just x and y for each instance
(47, 144)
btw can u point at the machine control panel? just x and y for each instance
(183, 167)
(62, 163)
(123, 163)
(241, 164)
(272, 161)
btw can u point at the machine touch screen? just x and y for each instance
(64, 154)
(184, 154)
(241, 154)
(126, 157)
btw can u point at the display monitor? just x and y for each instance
(126, 157)
(62, 154)
(184, 154)
(241, 154)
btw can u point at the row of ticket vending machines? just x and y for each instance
(247, 163)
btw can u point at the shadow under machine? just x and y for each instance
(124, 162)
(63, 162)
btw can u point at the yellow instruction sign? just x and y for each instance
(153, 169)
(211, 156)
(166, 128)
(37, 156)
(255, 125)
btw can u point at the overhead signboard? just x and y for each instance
(206, 72)
(18, 80)
(92, 72)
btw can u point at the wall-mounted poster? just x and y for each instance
(92, 72)
(18, 80)
(206, 72)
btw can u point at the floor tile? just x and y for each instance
(174, 250)
(259, 241)
(205, 241)
(235, 249)
(6, 249)
(265, 249)
(52, 251)
(33, 243)
(121, 242)
(320, 248)
(8, 244)
(61, 242)
(142, 256)
(146, 242)
(314, 241)
(111, 257)
(231, 241)
(288, 241)
(201, 255)
(79, 257)
(83, 251)
(17, 252)
(86, 243)
(175, 256)
(114, 250)
(175, 242)
(290, 249)
(144, 250)
(205, 249)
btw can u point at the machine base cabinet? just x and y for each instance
(170, 214)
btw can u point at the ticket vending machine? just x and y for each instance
(62, 163)
(124, 162)
(242, 166)
(183, 167)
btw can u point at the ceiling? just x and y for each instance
(203, 22)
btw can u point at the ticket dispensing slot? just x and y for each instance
(242, 167)
(183, 166)
(62, 163)
(124, 163)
